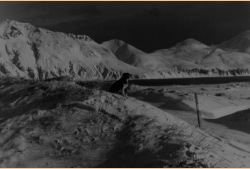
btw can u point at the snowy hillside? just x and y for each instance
(31, 52)
(240, 43)
(187, 58)
(62, 124)
(37, 53)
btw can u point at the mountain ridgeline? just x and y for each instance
(36, 53)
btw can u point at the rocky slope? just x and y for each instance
(31, 52)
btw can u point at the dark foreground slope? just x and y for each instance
(61, 124)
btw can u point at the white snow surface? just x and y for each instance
(38, 53)
(219, 106)
(31, 52)
(70, 131)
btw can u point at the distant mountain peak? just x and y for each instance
(245, 34)
(10, 25)
(15, 23)
(190, 43)
(6, 21)
(240, 43)
(116, 42)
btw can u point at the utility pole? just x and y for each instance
(197, 110)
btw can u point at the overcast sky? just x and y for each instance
(145, 25)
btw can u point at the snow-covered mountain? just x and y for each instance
(134, 56)
(193, 54)
(240, 43)
(190, 57)
(31, 52)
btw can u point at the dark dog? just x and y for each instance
(121, 86)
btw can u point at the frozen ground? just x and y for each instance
(62, 124)
(225, 108)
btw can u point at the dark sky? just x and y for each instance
(145, 25)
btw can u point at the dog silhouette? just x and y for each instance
(121, 85)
